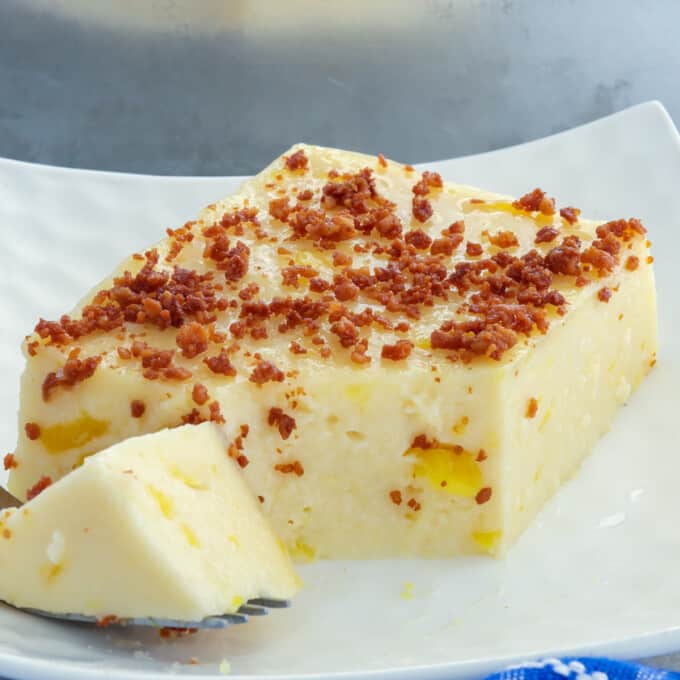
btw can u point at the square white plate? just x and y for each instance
(598, 572)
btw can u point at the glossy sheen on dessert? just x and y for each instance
(160, 525)
(402, 366)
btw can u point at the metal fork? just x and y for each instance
(259, 606)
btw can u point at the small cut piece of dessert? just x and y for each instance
(161, 525)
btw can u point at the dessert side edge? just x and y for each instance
(400, 366)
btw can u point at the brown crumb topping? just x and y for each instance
(418, 239)
(38, 487)
(283, 422)
(604, 294)
(358, 354)
(157, 363)
(532, 408)
(570, 214)
(236, 447)
(473, 338)
(395, 496)
(199, 394)
(346, 330)
(174, 632)
(297, 161)
(357, 193)
(599, 259)
(236, 261)
(192, 339)
(266, 371)
(397, 352)
(32, 430)
(536, 201)
(290, 468)
(624, 230)
(495, 300)
(414, 505)
(289, 275)
(194, 417)
(422, 441)
(341, 259)
(152, 296)
(279, 209)
(297, 348)
(216, 413)
(504, 239)
(546, 235)
(320, 227)
(124, 353)
(106, 621)
(443, 246)
(74, 371)
(427, 182)
(137, 408)
(565, 258)
(473, 249)
(483, 495)
(422, 209)
(221, 364)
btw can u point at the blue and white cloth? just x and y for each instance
(583, 668)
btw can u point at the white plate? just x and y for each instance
(598, 572)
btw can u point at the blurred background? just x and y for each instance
(219, 87)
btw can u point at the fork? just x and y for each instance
(258, 606)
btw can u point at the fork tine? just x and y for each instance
(249, 610)
(269, 602)
(256, 607)
(209, 622)
(77, 618)
(220, 621)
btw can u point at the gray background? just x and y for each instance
(220, 87)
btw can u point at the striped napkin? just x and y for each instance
(583, 668)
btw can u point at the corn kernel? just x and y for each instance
(452, 470)
(487, 540)
(73, 434)
(187, 479)
(361, 394)
(407, 591)
(301, 552)
(191, 537)
(164, 503)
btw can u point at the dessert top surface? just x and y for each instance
(336, 257)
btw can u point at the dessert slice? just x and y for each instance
(161, 525)
(402, 366)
